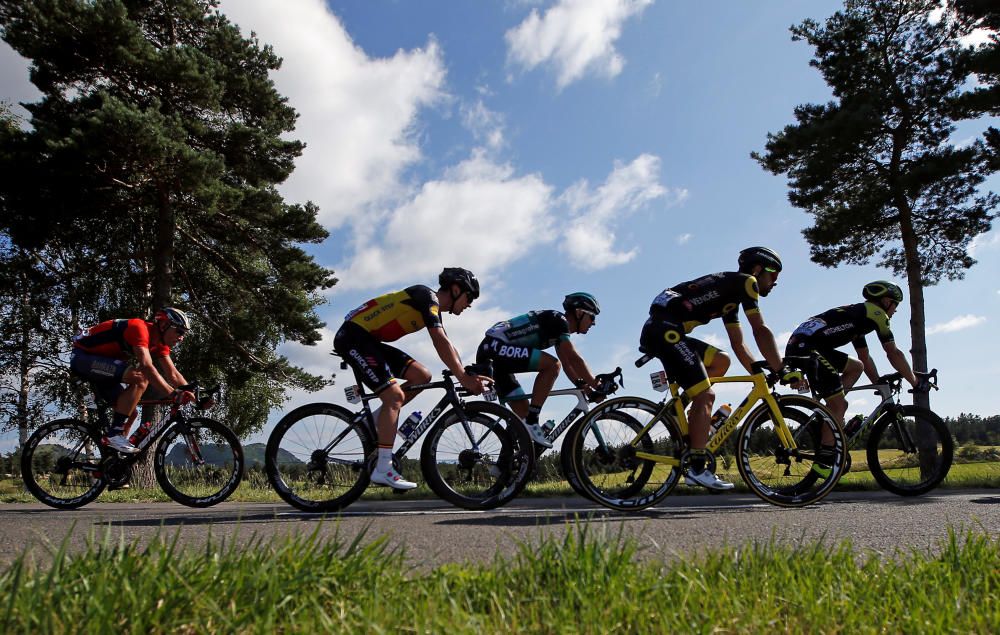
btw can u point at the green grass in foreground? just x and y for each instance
(584, 583)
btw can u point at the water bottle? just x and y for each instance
(721, 415)
(851, 427)
(548, 426)
(140, 433)
(407, 426)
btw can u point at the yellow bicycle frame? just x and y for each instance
(759, 392)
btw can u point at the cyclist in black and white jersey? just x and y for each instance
(690, 362)
(517, 346)
(821, 335)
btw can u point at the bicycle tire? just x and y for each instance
(900, 464)
(566, 465)
(198, 462)
(300, 469)
(74, 478)
(603, 461)
(478, 476)
(788, 478)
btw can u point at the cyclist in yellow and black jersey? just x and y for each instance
(361, 341)
(822, 334)
(690, 362)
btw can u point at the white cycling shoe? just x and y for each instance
(538, 435)
(392, 478)
(707, 479)
(123, 445)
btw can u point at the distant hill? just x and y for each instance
(253, 455)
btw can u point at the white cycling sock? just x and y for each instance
(384, 460)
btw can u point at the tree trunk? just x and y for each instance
(24, 371)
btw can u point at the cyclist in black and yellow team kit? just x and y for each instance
(822, 334)
(361, 342)
(517, 346)
(690, 362)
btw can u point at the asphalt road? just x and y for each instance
(432, 532)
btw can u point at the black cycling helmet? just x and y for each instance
(464, 278)
(882, 289)
(169, 316)
(759, 256)
(581, 300)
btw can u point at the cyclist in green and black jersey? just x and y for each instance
(690, 362)
(822, 334)
(517, 346)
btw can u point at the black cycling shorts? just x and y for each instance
(508, 359)
(104, 373)
(377, 363)
(826, 377)
(684, 358)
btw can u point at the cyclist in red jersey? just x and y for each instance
(122, 358)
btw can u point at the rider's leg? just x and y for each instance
(415, 373)
(126, 402)
(393, 397)
(548, 373)
(717, 364)
(699, 416)
(852, 372)
(837, 404)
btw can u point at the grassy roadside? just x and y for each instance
(589, 583)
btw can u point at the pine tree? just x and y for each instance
(875, 166)
(153, 157)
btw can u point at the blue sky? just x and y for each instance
(570, 145)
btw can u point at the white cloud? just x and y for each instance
(358, 114)
(486, 125)
(683, 239)
(959, 323)
(984, 241)
(574, 36)
(712, 339)
(656, 84)
(480, 215)
(589, 238)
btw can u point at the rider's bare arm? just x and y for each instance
(169, 372)
(144, 364)
(898, 360)
(446, 351)
(866, 359)
(765, 340)
(573, 365)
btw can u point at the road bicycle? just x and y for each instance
(608, 385)
(477, 454)
(908, 448)
(629, 453)
(197, 461)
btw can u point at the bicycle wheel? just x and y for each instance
(566, 465)
(482, 466)
(198, 462)
(910, 451)
(787, 476)
(603, 454)
(315, 457)
(60, 464)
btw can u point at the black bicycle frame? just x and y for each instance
(451, 398)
